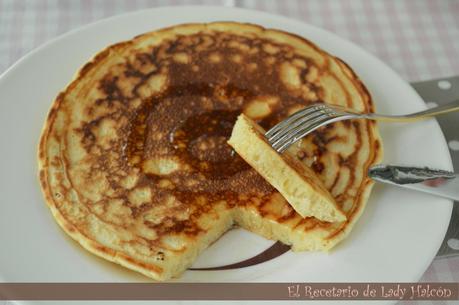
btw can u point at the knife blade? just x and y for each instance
(433, 181)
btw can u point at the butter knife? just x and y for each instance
(433, 181)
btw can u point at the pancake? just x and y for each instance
(133, 158)
(296, 182)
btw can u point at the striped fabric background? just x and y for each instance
(418, 38)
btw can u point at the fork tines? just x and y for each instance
(298, 125)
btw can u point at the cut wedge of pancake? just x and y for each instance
(134, 161)
(293, 179)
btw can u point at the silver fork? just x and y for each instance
(305, 121)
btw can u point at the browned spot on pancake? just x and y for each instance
(70, 228)
(290, 215)
(318, 167)
(104, 249)
(202, 140)
(377, 144)
(42, 175)
(301, 155)
(172, 225)
(151, 267)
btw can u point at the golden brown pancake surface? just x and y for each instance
(133, 157)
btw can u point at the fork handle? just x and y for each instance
(450, 107)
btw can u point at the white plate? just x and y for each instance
(395, 240)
